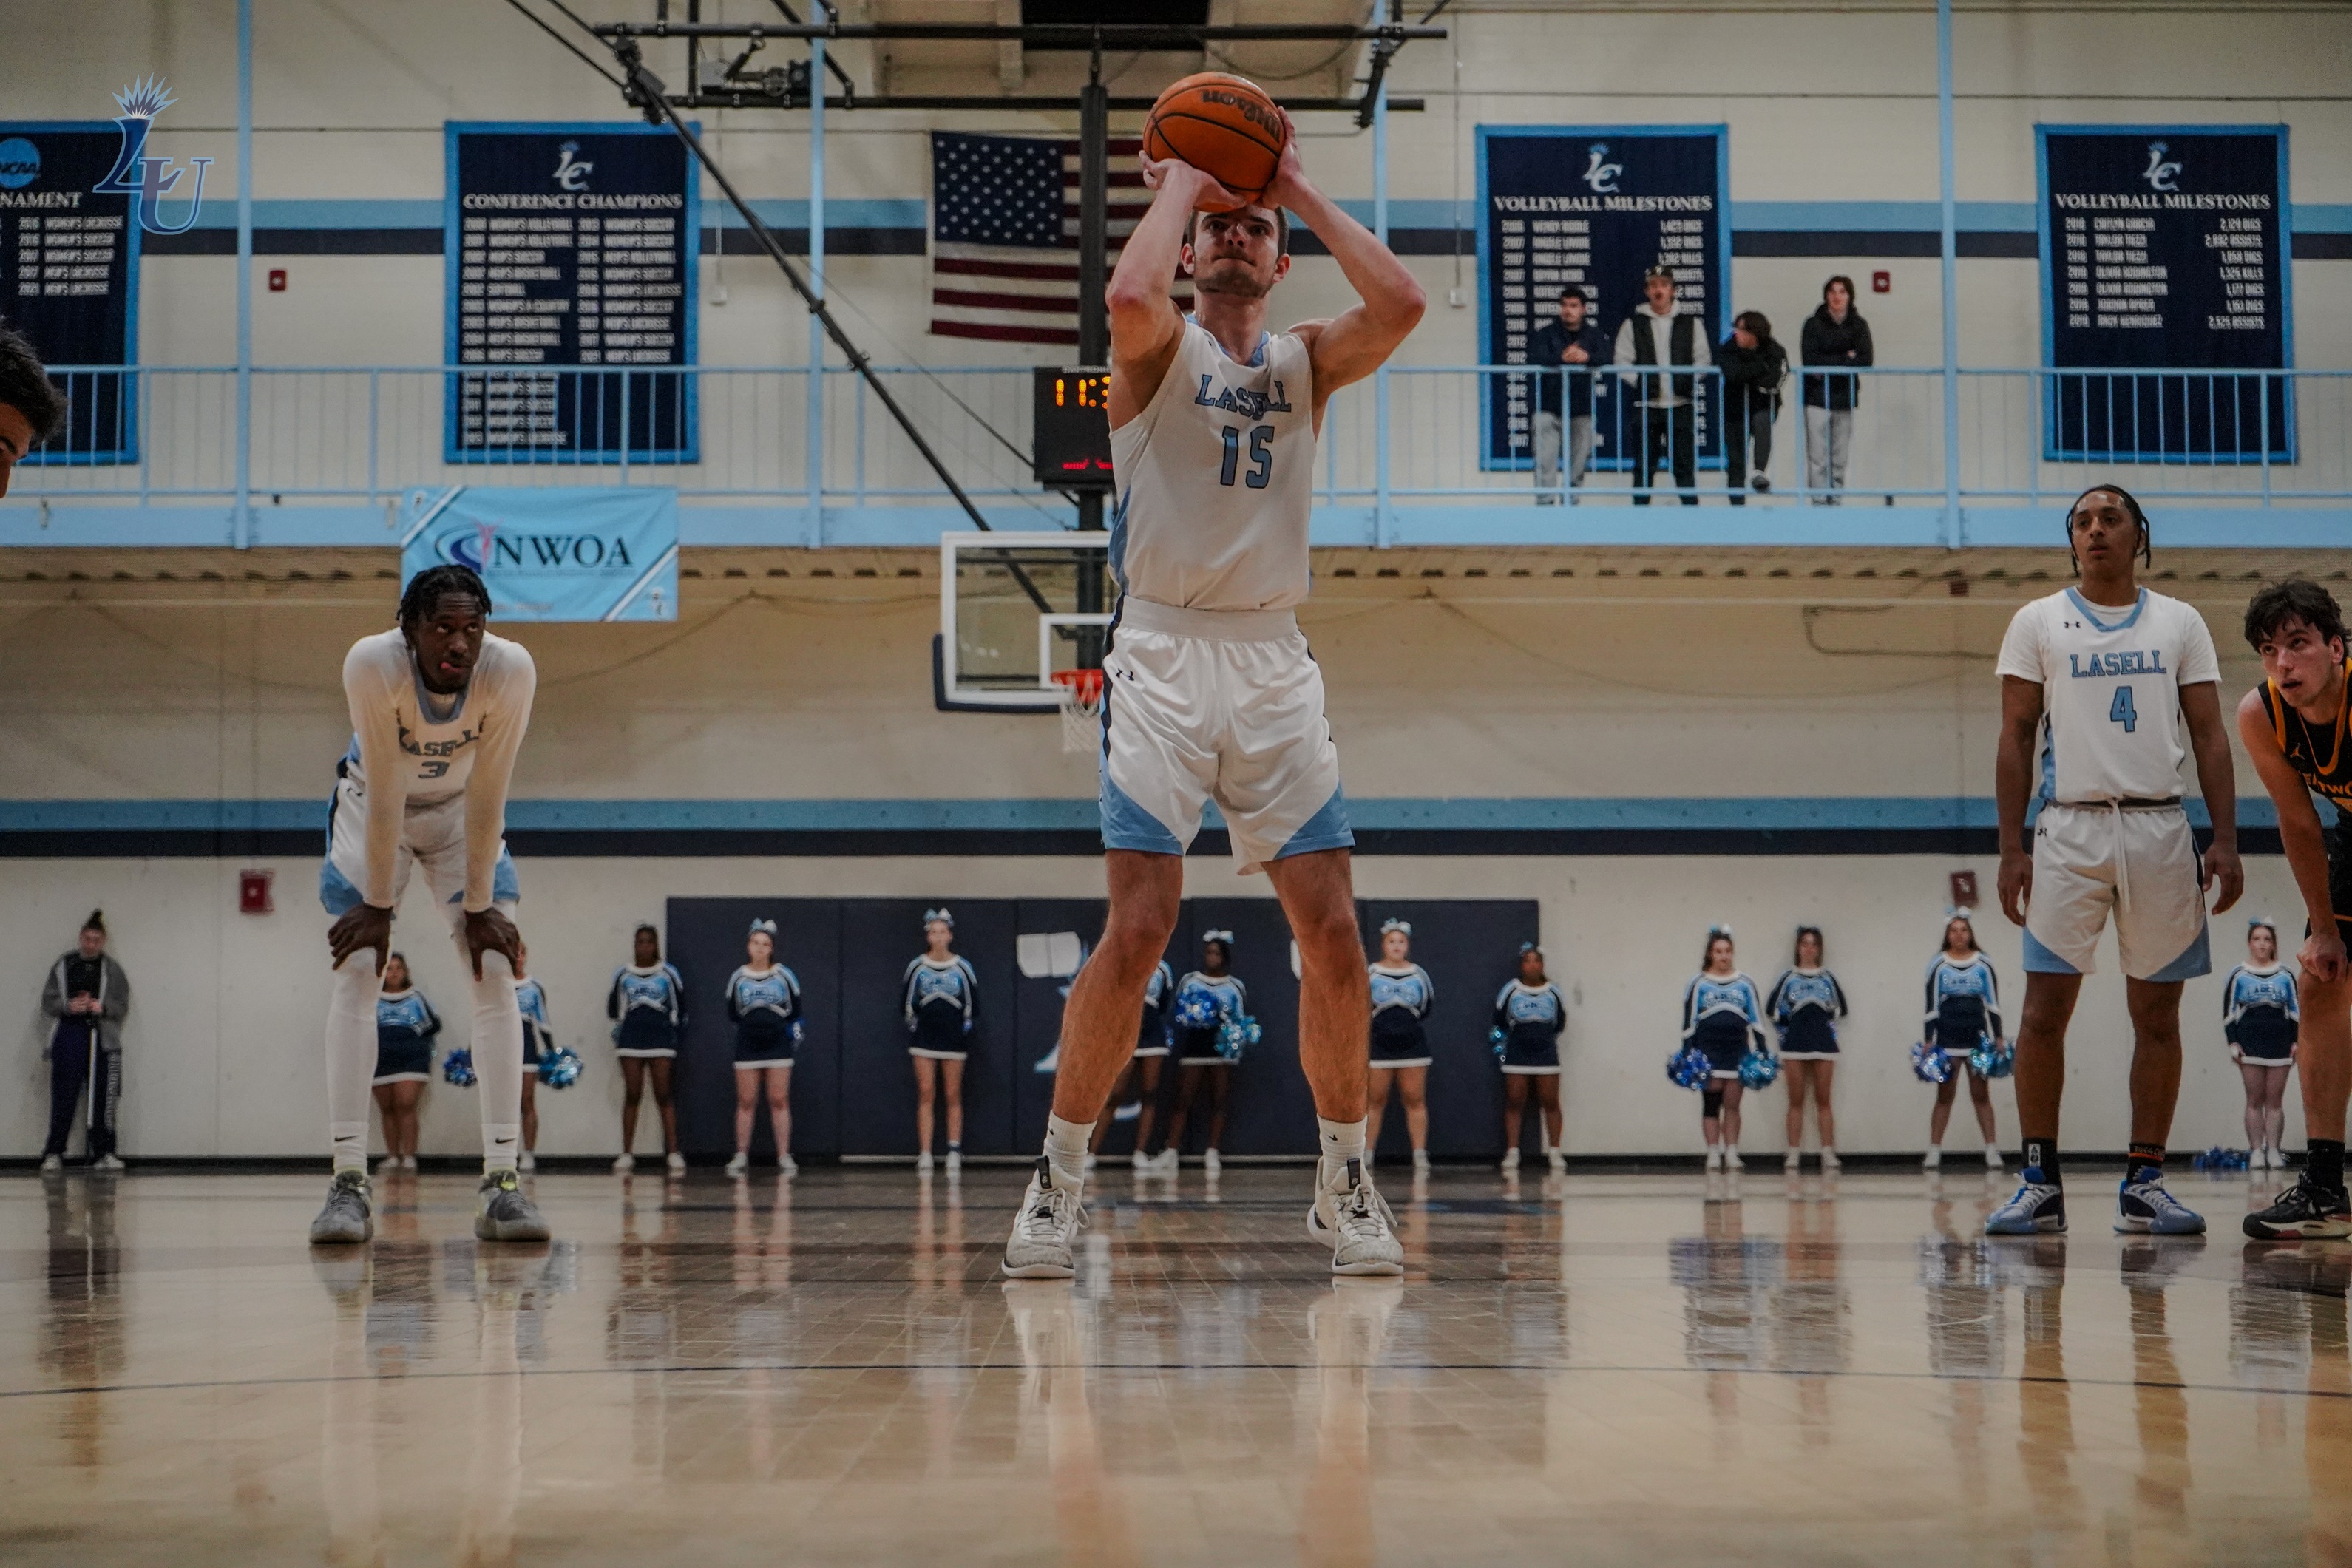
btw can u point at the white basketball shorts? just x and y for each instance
(2138, 861)
(433, 838)
(1223, 704)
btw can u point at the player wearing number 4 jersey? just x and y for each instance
(1210, 690)
(2115, 685)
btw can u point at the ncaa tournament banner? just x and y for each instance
(571, 251)
(2166, 247)
(552, 554)
(1595, 207)
(69, 277)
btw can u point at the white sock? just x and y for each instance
(1066, 1146)
(1341, 1142)
(351, 1056)
(498, 1057)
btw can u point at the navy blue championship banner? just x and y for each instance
(563, 554)
(1595, 207)
(69, 278)
(2165, 248)
(571, 262)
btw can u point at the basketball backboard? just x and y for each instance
(1014, 608)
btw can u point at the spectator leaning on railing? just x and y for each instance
(1656, 334)
(31, 408)
(1567, 347)
(1753, 368)
(1835, 335)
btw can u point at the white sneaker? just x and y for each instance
(1510, 1159)
(53, 1163)
(923, 1163)
(1167, 1162)
(408, 1162)
(1141, 1161)
(676, 1163)
(1992, 1157)
(110, 1163)
(1420, 1159)
(1828, 1160)
(388, 1164)
(624, 1165)
(1051, 1214)
(1091, 1162)
(1934, 1158)
(1211, 1163)
(787, 1167)
(955, 1161)
(1731, 1161)
(739, 1165)
(526, 1161)
(1557, 1161)
(1792, 1162)
(1355, 1219)
(1715, 1156)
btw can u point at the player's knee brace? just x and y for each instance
(1710, 1102)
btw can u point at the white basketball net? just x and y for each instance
(1082, 706)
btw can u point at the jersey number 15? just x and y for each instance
(1261, 459)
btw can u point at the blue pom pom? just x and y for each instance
(1235, 1035)
(1930, 1063)
(458, 1066)
(559, 1067)
(1196, 1009)
(1498, 1040)
(1758, 1069)
(1991, 1059)
(1689, 1068)
(800, 1031)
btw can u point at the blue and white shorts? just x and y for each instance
(2140, 862)
(1223, 705)
(433, 838)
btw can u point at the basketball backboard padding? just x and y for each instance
(1049, 954)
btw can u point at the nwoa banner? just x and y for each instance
(552, 554)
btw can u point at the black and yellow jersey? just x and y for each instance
(2316, 751)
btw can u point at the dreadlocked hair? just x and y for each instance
(2131, 505)
(429, 586)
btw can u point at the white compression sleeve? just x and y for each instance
(498, 1054)
(351, 1056)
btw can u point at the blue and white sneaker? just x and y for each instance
(2038, 1209)
(2145, 1206)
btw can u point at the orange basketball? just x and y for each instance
(1222, 125)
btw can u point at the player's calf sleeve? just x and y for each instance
(498, 1060)
(351, 1056)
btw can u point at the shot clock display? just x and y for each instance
(1073, 429)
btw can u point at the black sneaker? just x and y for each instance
(504, 1212)
(2304, 1212)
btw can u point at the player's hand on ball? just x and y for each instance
(363, 926)
(2323, 955)
(2016, 885)
(488, 931)
(2225, 872)
(1207, 194)
(1289, 179)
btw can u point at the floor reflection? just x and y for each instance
(82, 1326)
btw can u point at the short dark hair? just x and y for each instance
(1756, 322)
(97, 922)
(1835, 279)
(2131, 505)
(2296, 598)
(429, 586)
(1573, 292)
(1281, 228)
(25, 385)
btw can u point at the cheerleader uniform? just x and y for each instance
(1401, 1002)
(1530, 1018)
(647, 1007)
(1721, 1017)
(1805, 1006)
(405, 1024)
(2260, 1015)
(1963, 1005)
(766, 1010)
(940, 1001)
(1152, 1039)
(538, 1037)
(1197, 1047)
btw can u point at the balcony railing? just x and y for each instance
(362, 435)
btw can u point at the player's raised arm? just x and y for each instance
(1145, 326)
(2301, 836)
(1354, 343)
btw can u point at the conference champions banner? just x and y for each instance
(2167, 247)
(552, 554)
(69, 278)
(1594, 207)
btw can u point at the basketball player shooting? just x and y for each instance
(1209, 688)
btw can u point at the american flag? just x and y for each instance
(1005, 235)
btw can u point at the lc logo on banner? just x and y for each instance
(552, 554)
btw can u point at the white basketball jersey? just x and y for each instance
(2111, 680)
(1215, 479)
(437, 738)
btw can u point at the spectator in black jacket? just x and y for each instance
(1659, 332)
(88, 994)
(1567, 348)
(1835, 335)
(1753, 367)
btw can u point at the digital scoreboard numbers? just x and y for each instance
(570, 260)
(69, 278)
(1594, 208)
(1071, 425)
(2163, 249)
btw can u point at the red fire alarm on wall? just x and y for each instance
(278, 280)
(1880, 282)
(253, 892)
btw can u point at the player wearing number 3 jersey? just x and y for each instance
(1209, 690)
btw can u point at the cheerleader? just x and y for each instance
(537, 1040)
(1529, 1013)
(1963, 1012)
(1200, 1065)
(1722, 1015)
(764, 1002)
(2261, 1018)
(1138, 1081)
(940, 1000)
(405, 1024)
(647, 1007)
(1805, 1005)
(1402, 995)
